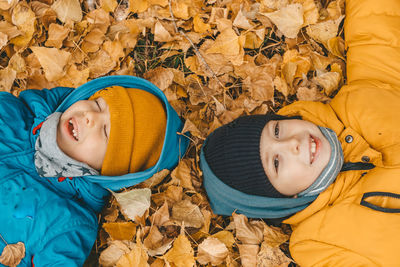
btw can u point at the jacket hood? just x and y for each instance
(174, 145)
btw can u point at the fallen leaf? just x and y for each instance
(101, 64)
(225, 237)
(134, 203)
(172, 195)
(109, 5)
(199, 26)
(57, 34)
(241, 21)
(136, 257)
(9, 29)
(161, 77)
(113, 253)
(7, 77)
(161, 34)
(274, 236)
(92, 42)
(213, 251)
(227, 43)
(114, 49)
(3, 39)
(53, 61)
(74, 77)
(120, 230)
(248, 255)
(310, 94)
(311, 14)
(68, 10)
(12, 254)
(7, 4)
(188, 213)
(248, 232)
(184, 171)
(329, 81)
(322, 32)
(271, 256)
(156, 179)
(24, 18)
(181, 254)
(289, 20)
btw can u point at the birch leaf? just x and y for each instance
(134, 203)
(181, 254)
(288, 20)
(213, 251)
(12, 254)
(53, 61)
(68, 10)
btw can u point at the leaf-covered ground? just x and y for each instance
(215, 60)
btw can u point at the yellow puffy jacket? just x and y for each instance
(356, 220)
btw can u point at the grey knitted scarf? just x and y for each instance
(50, 161)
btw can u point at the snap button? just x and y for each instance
(348, 139)
(365, 159)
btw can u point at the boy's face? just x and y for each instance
(83, 131)
(293, 154)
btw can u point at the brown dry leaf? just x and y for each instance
(101, 64)
(3, 39)
(57, 34)
(100, 19)
(205, 229)
(158, 263)
(7, 77)
(225, 237)
(322, 32)
(310, 94)
(136, 257)
(113, 253)
(68, 10)
(161, 216)
(337, 47)
(182, 174)
(181, 254)
(274, 236)
(289, 20)
(7, 4)
(227, 43)
(213, 251)
(114, 49)
(74, 77)
(153, 239)
(92, 41)
(120, 230)
(53, 61)
(242, 22)
(281, 85)
(161, 77)
(161, 34)
(271, 256)
(9, 29)
(134, 203)
(172, 195)
(24, 18)
(248, 232)
(335, 9)
(156, 179)
(311, 13)
(248, 255)
(188, 213)
(44, 13)
(328, 80)
(12, 254)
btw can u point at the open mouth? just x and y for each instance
(313, 149)
(72, 130)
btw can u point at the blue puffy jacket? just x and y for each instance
(56, 217)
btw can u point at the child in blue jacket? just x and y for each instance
(61, 149)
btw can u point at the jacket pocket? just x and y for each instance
(382, 201)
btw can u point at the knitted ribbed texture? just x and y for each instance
(233, 154)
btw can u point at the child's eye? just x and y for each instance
(98, 105)
(276, 163)
(105, 131)
(276, 130)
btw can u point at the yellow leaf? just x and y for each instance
(114, 49)
(3, 39)
(109, 5)
(162, 3)
(336, 46)
(161, 34)
(68, 10)
(161, 77)
(24, 18)
(181, 254)
(74, 77)
(188, 213)
(252, 41)
(161, 216)
(115, 250)
(329, 81)
(199, 26)
(57, 34)
(225, 237)
(120, 230)
(92, 41)
(7, 4)
(101, 64)
(156, 179)
(137, 6)
(310, 94)
(9, 29)
(241, 21)
(227, 43)
(311, 14)
(213, 251)
(12, 254)
(184, 171)
(136, 257)
(180, 9)
(53, 61)
(288, 20)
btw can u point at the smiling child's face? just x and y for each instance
(293, 154)
(83, 131)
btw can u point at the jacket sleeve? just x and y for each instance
(67, 249)
(372, 34)
(44, 102)
(314, 253)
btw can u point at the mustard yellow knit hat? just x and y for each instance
(138, 123)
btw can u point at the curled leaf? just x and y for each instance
(134, 203)
(213, 251)
(12, 254)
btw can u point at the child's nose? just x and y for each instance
(90, 118)
(292, 145)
